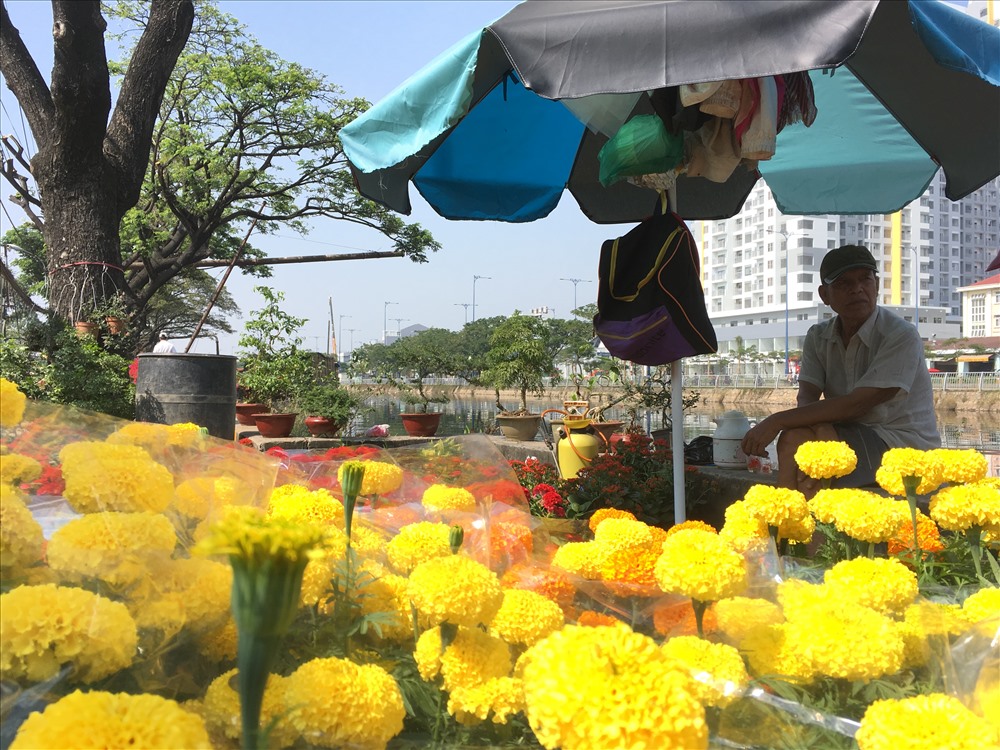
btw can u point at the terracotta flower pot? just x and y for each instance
(321, 426)
(422, 424)
(605, 430)
(86, 328)
(523, 428)
(274, 424)
(246, 410)
(115, 324)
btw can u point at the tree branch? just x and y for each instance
(131, 127)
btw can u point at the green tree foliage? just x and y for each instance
(407, 362)
(243, 135)
(275, 369)
(520, 357)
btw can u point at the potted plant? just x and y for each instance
(405, 365)
(113, 314)
(275, 371)
(519, 359)
(329, 408)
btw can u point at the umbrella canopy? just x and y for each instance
(495, 127)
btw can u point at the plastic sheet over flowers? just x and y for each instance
(446, 612)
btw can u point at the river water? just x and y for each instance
(464, 416)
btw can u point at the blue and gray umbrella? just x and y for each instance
(494, 127)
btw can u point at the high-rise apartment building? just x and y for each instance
(760, 268)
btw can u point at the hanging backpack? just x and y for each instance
(650, 304)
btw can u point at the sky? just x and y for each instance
(369, 48)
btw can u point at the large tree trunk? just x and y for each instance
(89, 168)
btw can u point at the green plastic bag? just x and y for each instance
(641, 146)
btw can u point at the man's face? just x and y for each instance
(852, 295)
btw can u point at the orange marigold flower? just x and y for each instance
(591, 619)
(677, 618)
(549, 582)
(928, 537)
(692, 525)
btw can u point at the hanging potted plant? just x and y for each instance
(519, 359)
(275, 371)
(329, 408)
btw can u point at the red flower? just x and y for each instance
(133, 370)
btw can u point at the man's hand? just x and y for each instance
(760, 436)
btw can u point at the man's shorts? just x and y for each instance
(868, 446)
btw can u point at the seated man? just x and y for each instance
(863, 380)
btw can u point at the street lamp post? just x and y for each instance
(341, 321)
(785, 235)
(385, 320)
(466, 306)
(575, 282)
(916, 286)
(351, 331)
(474, 280)
(398, 321)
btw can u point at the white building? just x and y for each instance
(760, 268)
(981, 308)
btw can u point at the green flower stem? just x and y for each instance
(871, 550)
(974, 536)
(910, 484)
(265, 599)
(699, 615)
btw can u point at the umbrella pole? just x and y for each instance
(677, 438)
(677, 414)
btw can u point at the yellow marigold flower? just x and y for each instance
(497, 699)
(717, 670)
(928, 537)
(246, 533)
(21, 537)
(472, 658)
(798, 529)
(222, 710)
(417, 543)
(113, 547)
(298, 503)
(579, 558)
(185, 434)
(898, 463)
(380, 478)
(200, 589)
(590, 619)
(825, 504)
(961, 466)
(198, 497)
(12, 403)
(525, 617)
(986, 695)
(923, 722)
(628, 553)
(770, 650)
(700, 565)
(826, 459)
(101, 476)
(965, 506)
(455, 589)
(934, 618)
(552, 583)
(692, 524)
(144, 434)
(775, 505)
(100, 719)
(983, 607)
(386, 595)
(442, 497)
(219, 644)
(336, 703)
(871, 518)
(743, 531)
(15, 468)
(737, 615)
(844, 641)
(883, 584)
(608, 687)
(603, 513)
(43, 627)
